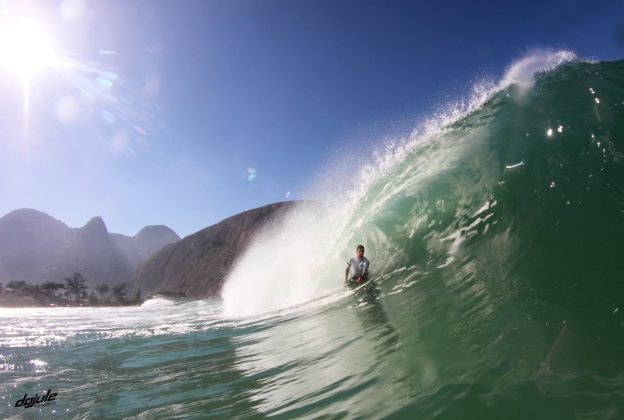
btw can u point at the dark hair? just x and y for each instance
(360, 247)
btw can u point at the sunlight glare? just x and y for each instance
(25, 49)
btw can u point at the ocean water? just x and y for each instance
(496, 238)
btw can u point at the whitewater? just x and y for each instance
(495, 232)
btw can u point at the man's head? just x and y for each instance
(359, 251)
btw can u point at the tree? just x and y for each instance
(76, 285)
(16, 285)
(119, 291)
(49, 291)
(102, 289)
(22, 288)
(51, 286)
(93, 299)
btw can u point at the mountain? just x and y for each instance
(198, 264)
(37, 248)
(134, 250)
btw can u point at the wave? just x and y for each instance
(517, 188)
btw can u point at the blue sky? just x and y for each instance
(158, 109)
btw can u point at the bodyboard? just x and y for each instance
(367, 286)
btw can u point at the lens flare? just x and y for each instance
(109, 117)
(67, 110)
(249, 174)
(73, 9)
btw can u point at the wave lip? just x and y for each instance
(522, 72)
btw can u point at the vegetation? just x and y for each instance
(170, 295)
(73, 292)
(119, 291)
(102, 290)
(76, 286)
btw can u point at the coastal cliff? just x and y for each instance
(197, 265)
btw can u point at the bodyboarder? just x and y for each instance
(356, 272)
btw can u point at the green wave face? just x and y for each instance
(524, 197)
(502, 241)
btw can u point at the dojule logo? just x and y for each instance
(46, 399)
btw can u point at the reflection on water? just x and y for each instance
(326, 360)
(373, 320)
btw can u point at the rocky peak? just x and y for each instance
(30, 216)
(95, 226)
(152, 238)
(155, 231)
(37, 248)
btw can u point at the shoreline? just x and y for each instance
(7, 302)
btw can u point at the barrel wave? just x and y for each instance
(495, 233)
(495, 238)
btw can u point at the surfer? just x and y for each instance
(358, 267)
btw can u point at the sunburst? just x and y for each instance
(26, 49)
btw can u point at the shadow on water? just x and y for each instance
(323, 361)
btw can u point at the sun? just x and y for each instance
(25, 49)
